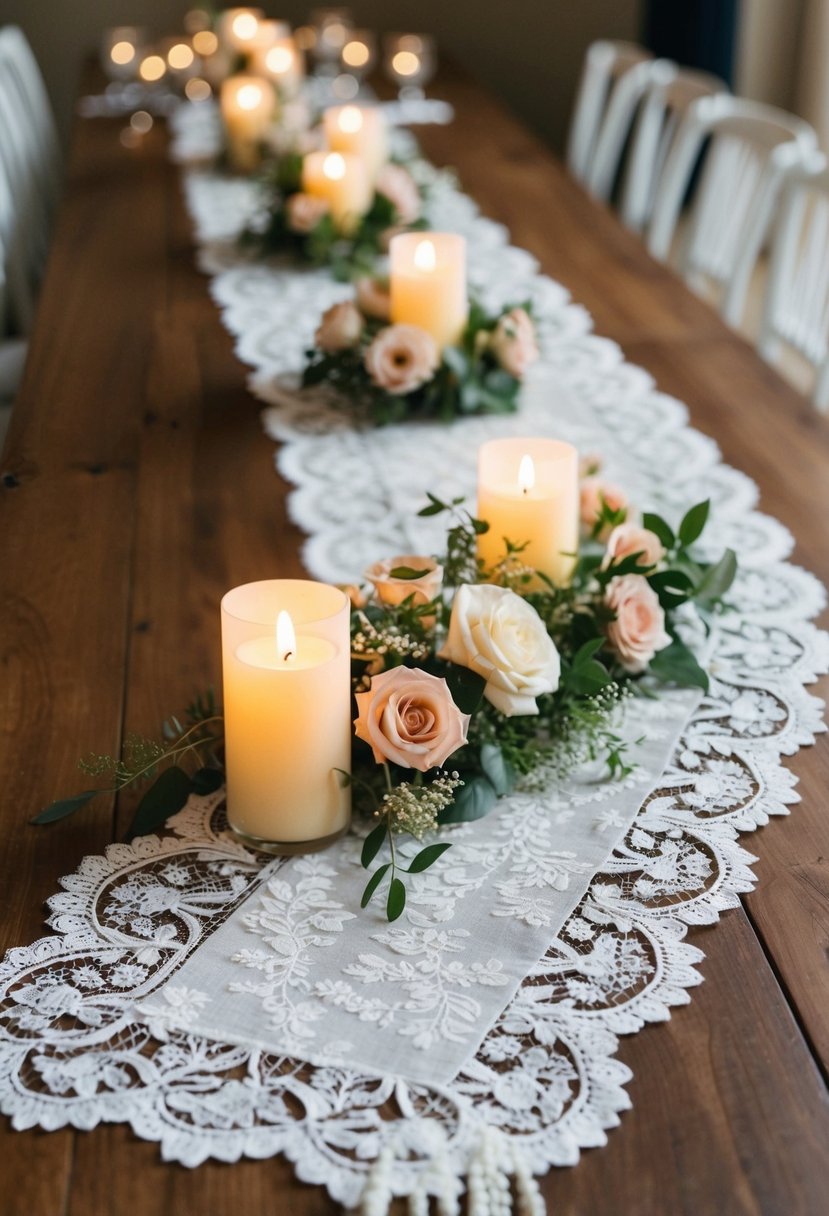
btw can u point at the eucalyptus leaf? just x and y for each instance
(373, 883)
(396, 901)
(677, 665)
(372, 843)
(717, 578)
(474, 800)
(427, 857)
(65, 807)
(496, 768)
(167, 794)
(693, 522)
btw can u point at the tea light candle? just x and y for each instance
(248, 105)
(360, 130)
(528, 493)
(427, 283)
(287, 708)
(238, 28)
(282, 64)
(342, 180)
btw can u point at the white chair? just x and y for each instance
(796, 308)
(613, 79)
(24, 220)
(752, 148)
(671, 90)
(18, 62)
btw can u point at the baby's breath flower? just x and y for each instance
(371, 640)
(415, 808)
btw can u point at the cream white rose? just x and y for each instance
(513, 342)
(304, 212)
(501, 637)
(638, 630)
(390, 590)
(627, 539)
(408, 716)
(401, 358)
(340, 329)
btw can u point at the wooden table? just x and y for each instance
(137, 486)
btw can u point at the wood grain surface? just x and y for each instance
(136, 486)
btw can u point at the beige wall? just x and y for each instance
(529, 51)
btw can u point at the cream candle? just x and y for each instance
(341, 180)
(427, 283)
(287, 707)
(528, 493)
(248, 105)
(282, 64)
(360, 130)
(238, 28)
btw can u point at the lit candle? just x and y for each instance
(428, 283)
(287, 709)
(238, 28)
(528, 493)
(342, 181)
(360, 130)
(282, 64)
(248, 106)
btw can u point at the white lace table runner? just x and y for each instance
(543, 1083)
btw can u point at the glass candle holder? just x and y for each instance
(286, 663)
(121, 51)
(332, 29)
(528, 493)
(409, 60)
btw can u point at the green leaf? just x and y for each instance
(588, 678)
(373, 883)
(456, 361)
(167, 794)
(657, 525)
(372, 843)
(65, 807)
(427, 857)
(396, 901)
(586, 652)
(406, 572)
(496, 768)
(479, 526)
(345, 778)
(207, 780)
(673, 587)
(717, 578)
(693, 522)
(466, 687)
(473, 800)
(677, 665)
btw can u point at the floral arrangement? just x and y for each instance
(302, 224)
(396, 372)
(471, 681)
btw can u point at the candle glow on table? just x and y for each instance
(360, 130)
(342, 180)
(528, 493)
(287, 707)
(248, 105)
(427, 283)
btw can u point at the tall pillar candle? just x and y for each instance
(360, 130)
(528, 493)
(427, 283)
(287, 706)
(342, 181)
(248, 106)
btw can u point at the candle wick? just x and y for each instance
(289, 654)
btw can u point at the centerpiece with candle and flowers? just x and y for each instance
(447, 681)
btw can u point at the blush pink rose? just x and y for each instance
(398, 186)
(305, 212)
(592, 491)
(340, 329)
(409, 717)
(393, 591)
(513, 342)
(401, 358)
(628, 539)
(638, 630)
(373, 298)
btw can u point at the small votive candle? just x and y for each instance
(287, 707)
(248, 105)
(528, 493)
(342, 180)
(427, 283)
(360, 130)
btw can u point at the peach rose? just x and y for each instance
(638, 630)
(401, 358)
(592, 491)
(398, 186)
(305, 212)
(513, 342)
(390, 590)
(354, 593)
(628, 539)
(501, 637)
(341, 328)
(409, 717)
(373, 298)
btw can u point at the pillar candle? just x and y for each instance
(341, 180)
(248, 106)
(528, 492)
(427, 283)
(360, 130)
(287, 707)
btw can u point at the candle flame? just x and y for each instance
(406, 63)
(245, 26)
(122, 52)
(152, 68)
(180, 56)
(355, 54)
(334, 167)
(249, 96)
(526, 474)
(425, 257)
(205, 42)
(350, 120)
(285, 637)
(279, 59)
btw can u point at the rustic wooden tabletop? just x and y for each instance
(136, 486)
